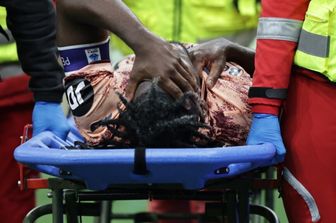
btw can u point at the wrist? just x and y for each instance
(46, 103)
(263, 115)
(232, 52)
(48, 96)
(140, 43)
(242, 56)
(265, 109)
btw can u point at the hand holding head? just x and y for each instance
(214, 54)
(169, 64)
(211, 55)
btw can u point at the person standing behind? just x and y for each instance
(295, 66)
(295, 69)
(16, 105)
(32, 25)
(193, 21)
(9, 62)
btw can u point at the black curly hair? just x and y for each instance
(154, 119)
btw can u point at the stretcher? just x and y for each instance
(222, 175)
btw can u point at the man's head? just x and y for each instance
(154, 119)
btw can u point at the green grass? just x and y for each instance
(118, 207)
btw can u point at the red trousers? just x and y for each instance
(16, 104)
(309, 133)
(172, 206)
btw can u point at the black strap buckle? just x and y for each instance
(266, 92)
(140, 165)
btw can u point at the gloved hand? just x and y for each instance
(49, 116)
(266, 128)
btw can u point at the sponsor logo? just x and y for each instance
(234, 71)
(79, 93)
(65, 61)
(93, 55)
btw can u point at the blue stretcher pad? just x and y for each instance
(99, 169)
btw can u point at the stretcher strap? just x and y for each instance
(304, 193)
(140, 166)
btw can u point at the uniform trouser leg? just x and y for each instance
(176, 206)
(309, 129)
(16, 104)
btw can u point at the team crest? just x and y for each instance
(93, 55)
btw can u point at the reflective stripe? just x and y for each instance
(279, 29)
(307, 197)
(3, 38)
(314, 44)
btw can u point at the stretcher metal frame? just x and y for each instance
(226, 199)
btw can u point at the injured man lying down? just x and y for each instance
(151, 117)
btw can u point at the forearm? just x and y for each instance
(275, 52)
(112, 15)
(242, 56)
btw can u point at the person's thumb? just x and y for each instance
(215, 72)
(130, 89)
(199, 66)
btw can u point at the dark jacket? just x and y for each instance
(33, 25)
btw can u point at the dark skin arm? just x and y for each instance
(215, 53)
(85, 21)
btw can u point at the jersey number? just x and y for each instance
(74, 95)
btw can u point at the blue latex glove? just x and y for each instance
(49, 116)
(266, 128)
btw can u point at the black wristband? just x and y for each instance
(266, 92)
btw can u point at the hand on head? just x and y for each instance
(169, 63)
(211, 55)
(214, 54)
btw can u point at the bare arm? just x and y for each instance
(83, 21)
(101, 15)
(215, 53)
